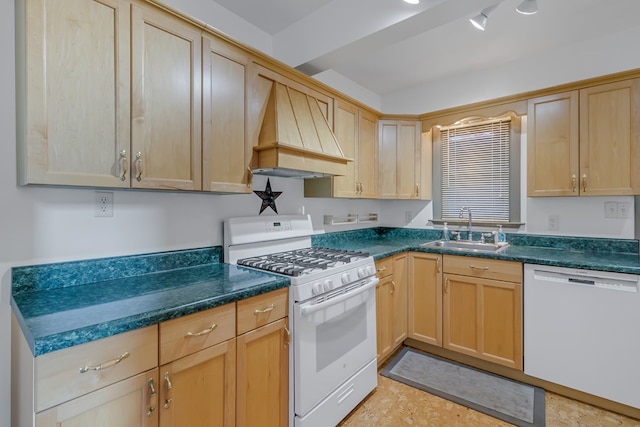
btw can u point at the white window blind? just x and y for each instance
(475, 170)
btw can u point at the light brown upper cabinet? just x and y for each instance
(403, 173)
(165, 101)
(73, 92)
(585, 142)
(356, 131)
(112, 96)
(226, 151)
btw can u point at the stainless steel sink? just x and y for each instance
(462, 245)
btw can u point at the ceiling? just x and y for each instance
(389, 45)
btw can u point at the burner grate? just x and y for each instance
(302, 261)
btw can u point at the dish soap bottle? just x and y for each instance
(501, 238)
(445, 232)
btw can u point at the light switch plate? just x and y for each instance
(610, 210)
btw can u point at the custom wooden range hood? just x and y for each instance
(295, 138)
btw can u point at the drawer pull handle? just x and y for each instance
(381, 269)
(393, 288)
(438, 265)
(105, 365)
(264, 310)
(203, 332)
(475, 267)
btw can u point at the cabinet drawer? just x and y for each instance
(384, 267)
(262, 309)
(66, 374)
(186, 335)
(508, 271)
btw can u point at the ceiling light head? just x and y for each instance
(528, 7)
(480, 21)
(412, 1)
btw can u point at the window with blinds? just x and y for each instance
(475, 170)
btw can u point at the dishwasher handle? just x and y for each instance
(614, 282)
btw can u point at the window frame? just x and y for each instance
(515, 167)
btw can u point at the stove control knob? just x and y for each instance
(362, 272)
(317, 288)
(371, 270)
(346, 278)
(328, 285)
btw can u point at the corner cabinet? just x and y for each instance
(391, 305)
(405, 161)
(357, 132)
(425, 298)
(468, 305)
(586, 142)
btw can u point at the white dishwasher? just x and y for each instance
(582, 330)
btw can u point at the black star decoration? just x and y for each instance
(268, 198)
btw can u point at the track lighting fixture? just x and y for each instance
(528, 7)
(480, 21)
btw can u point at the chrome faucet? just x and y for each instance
(461, 215)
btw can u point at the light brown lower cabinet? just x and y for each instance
(391, 304)
(263, 376)
(425, 297)
(469, 305)
(128, 403)
(199, 389)
(224, 366)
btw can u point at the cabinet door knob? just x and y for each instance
(584, 182)
(168, 400)
(573, 182)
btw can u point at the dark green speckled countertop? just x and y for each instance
(65, 304)
(619, 255)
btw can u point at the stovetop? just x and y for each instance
(306, 261)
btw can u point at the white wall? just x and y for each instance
(54, 224)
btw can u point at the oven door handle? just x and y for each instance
(308, 309)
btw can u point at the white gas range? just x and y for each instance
(331, 313)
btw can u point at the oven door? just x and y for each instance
(333, 339)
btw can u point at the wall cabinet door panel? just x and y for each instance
(166, 101)
(226, 152)
(73, 118)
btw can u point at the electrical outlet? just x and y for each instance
(103, 205)
(553, 222)
(624, 210)
(610, 210)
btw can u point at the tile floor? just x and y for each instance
(395, 404)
